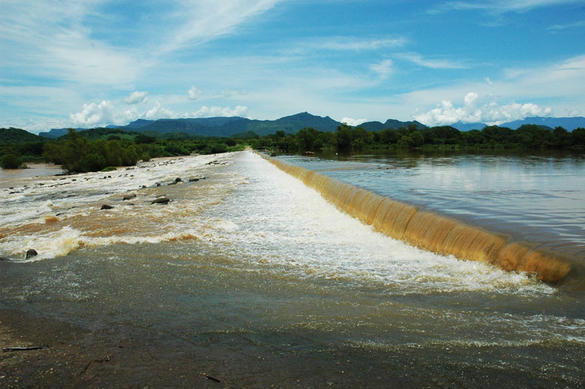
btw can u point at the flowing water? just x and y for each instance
(251, 275)
(533, 198)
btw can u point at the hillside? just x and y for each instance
(54, 133)
(229, 126)
(568, 123)
(390, 123)
(16, 135)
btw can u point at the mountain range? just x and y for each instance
(222, 126)
(568, 123)
(230, 126)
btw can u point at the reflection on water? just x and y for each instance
(533, 198)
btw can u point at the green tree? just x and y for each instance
(10, 161)
(343, 138)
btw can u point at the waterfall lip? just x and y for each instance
(406, 222)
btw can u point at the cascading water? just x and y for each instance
(430, 231)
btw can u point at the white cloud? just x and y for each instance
(353, 122)
(557, 85)
(470, 99)
(195, 93)
(383, 69)
(430, 63)
(158, 112)
(47, 39)
(203, 20)
(136, 97)
(501, 5)
(230, 93)
(206, 111)
(470, 112)
(106, 112)
(560, 27)
(94, 114)
(344, 43)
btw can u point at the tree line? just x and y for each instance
(100, 149)
(104, 148)
(347, 139)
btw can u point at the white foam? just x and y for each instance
(40, 196)
(286, 223)
(47, 245)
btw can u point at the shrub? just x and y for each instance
(10, 161)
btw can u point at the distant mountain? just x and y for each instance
(54, 133)
(229, 126)
(568, 123)
(138, 123)
(468, 126)
(390, 123)
(16, 135)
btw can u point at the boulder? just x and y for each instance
(129, 196)
(161, 200)
(106, 206)
(31, 253)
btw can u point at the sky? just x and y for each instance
(84, 64)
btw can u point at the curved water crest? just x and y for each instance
(430, 231)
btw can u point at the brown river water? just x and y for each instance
(249, 277)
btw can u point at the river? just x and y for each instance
(252, 278)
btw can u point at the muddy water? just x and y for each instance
(251, 277)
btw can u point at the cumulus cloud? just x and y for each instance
(136, 97)
(206, 111)
(353, 122)
(158, 112)
(383, 69)
(472, 112)
(106, 112)
(94, 114)
(195, 93)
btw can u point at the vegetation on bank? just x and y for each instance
(102, 148)
(106, 148)
(348, 139)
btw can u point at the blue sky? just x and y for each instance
(84, 64)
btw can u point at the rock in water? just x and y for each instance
(177, 180)
(31, 253)
(106, 206)
(160, 200)
(129, 196)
